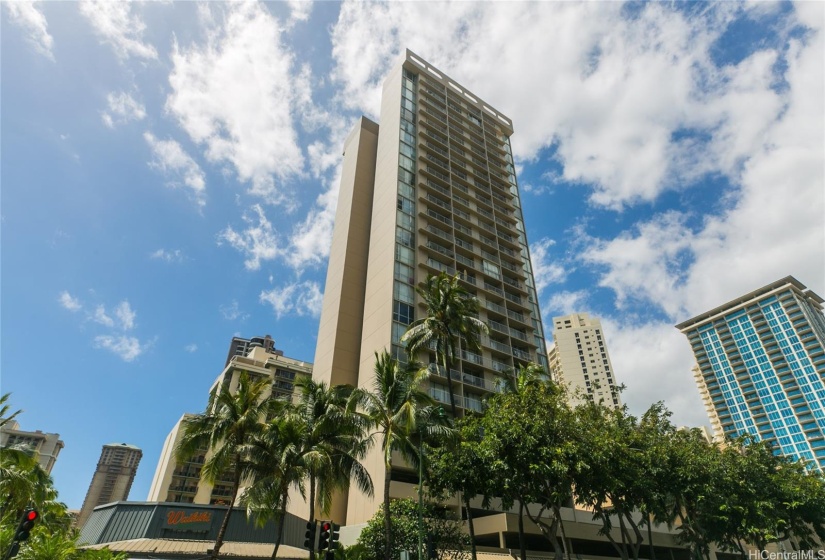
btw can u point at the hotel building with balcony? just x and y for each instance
(432, 189)
(762, 359)
(176, 482)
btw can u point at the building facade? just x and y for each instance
(430, 190)
(113, 477)
(762, 357)
(241, 346)
(175, 482)
(579, 359)
(46, 447)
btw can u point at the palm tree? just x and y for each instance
(274, 464)
(451, 319)
(334, 441)
(397, 408)
(231, 420)
(5, 417)
(321, 438)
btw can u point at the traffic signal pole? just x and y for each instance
(24, 527)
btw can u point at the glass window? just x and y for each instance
(407, 137)
(405, 220)
(406, 190)
(408, 151)
(406, 205)
(403, 292)
(406, 163)
(405, 255)
(406, 176)
(404, 273)
(402, 312)
(405, 237)
(490, 268)
(398, 331)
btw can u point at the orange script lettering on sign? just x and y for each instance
(180, 517)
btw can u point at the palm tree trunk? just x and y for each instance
(522, 545)
(447, 368)
(236, 483)
(312, 512)
(281, 519)
(470, 526)
(387, 524)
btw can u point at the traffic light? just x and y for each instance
(24, 527)
(323, 540)
(309, 541)
(334, 534)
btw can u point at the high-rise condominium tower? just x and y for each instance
(113, 478)
(46, 447)
(181, 482)
(431, 190)
(579, 359)
(762, 357)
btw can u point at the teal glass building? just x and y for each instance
(762, 357)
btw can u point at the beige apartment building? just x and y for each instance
(46, 447)
(113, 477)
(431, 189)
(718, 434)
(580, 361)
(174, 482)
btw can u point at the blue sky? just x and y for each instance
(170, 170)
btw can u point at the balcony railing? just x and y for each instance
(472, 357)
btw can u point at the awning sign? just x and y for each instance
(195, 521)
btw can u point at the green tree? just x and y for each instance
(451, 323)
(612, 480)
(231, 420)
(529, 451)
(452, 318)
(396, 406)
(443, 530)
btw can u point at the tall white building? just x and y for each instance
(579, 359)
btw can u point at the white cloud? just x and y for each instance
(170, 158)
(170, 256)
(632, 105)
(70, 302)
(564, 302)
(299, 9)
(259, 242)
(233, 312)
(116, 24)
(654, 360)
(30, 19)
(772, 228)
(100, 316)
(126, 347)
(125, 315)
(191, 348)
(237, 96)
(122, 109)
(546, 267)
(299, 298)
